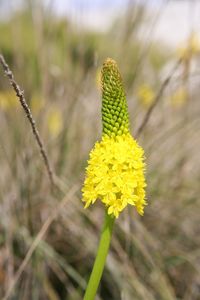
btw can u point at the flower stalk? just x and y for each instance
(115, 172)
(100, 259)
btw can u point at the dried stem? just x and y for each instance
(156, 100)
(20, 95)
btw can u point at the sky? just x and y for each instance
(177, 20)
(174, 19)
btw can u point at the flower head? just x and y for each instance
(146, 94)
(8, 101)
(54, 121)
(179, 97)
(115, 172)
(190, 48)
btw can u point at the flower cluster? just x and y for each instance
(115, 174)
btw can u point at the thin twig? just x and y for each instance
(20, 95)
(156, 100)
(38, 239)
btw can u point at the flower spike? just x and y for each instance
(115, 172)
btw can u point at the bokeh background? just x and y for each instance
(55, 50)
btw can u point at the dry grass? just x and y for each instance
(154, 257)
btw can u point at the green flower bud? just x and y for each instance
(114, 105)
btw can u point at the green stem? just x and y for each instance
(100, 259)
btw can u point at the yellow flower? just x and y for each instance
(183, 52)
(115, 172)
(55, 121)
(192, 47)
(8, 100)
(146, 94)
(179, 97)
(194, 42)
(37, 103)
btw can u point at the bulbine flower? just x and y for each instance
(8, 101)
(115, 171)
(179, 97)
(146, 95)
(55, 121)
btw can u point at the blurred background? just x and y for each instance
(55, 49)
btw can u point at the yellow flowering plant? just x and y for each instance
(145, 94)
(115, 171)
(8, 101)
(54, 121)
(179, 97)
